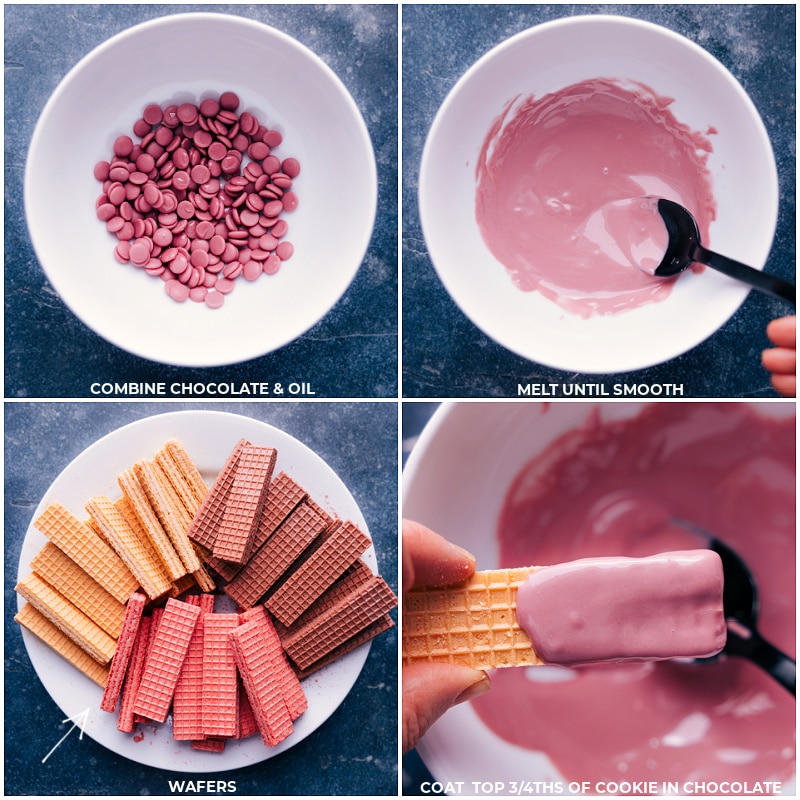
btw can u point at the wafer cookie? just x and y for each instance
(338, 623)
(140, 559)
(183, 474)
(209, 745)
(279, 552)
(155, 620)
(220, 678)
(122, 655)
(254, 660)
(372, 630)
(87, 550)
(125, 721)
(354, 577)
(134, 491)
(56, 568)
(285, 494)
(472, 623)
(165, 658)
(336, 551)
(293, 694)
(187, 701)
(247, 719)
(169, 508)
(245, 503)
(204, 527)
(67, 618)
(47, 632)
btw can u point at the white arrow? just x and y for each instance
(76, 720)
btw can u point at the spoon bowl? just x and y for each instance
(684, 248)
(741, 605)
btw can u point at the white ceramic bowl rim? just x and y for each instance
(526, 323)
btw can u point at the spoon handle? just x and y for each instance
(768, 657)
(734, 269)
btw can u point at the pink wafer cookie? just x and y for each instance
(165, 658)
(293, 693)
(336, 552)
(125, 722)
(245, 503)
(122, 655)
(254, 659)
(209, 745)
(187, 701)
(247, 719)
(279, 552)
(205, 524)
(155, 620)
(220, 678)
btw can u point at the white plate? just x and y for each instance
(209, 437)
(551, 56)
(187, 56)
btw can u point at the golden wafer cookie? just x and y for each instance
(472, 623)
(43, 629)
(56, 568)
(141, 560)
(67, 618)
(170, 511)
(189, 472)
(133, 490)
(87, 550)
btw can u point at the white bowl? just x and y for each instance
(501, 439)
(183, 56)
(544, 59)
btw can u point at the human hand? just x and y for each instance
(430, 689)
(781, 360)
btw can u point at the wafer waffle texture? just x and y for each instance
(245, 504)
(67, 618)
(87, 550)
(124, 650)
(473, 623)
(336, 552)
(165, 657)
(135, 551)
(56, 568)
(41, 627)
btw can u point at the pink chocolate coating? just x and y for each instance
(548, 165)
(621, 609)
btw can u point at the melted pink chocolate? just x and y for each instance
(622, 609)
(550, 166)
(611, 489)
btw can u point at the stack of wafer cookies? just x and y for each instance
(82, 578)
(472, 623)
(304, 595)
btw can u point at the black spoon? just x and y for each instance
(741, 605)
(684, 248)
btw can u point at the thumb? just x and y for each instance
(430, 689)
